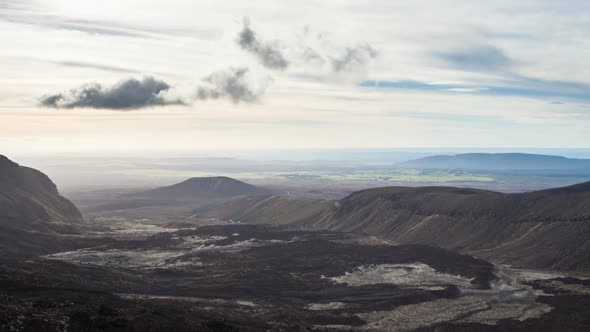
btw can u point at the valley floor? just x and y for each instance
(134, 276)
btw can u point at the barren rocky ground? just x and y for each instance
(143, 277)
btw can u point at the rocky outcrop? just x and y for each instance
(31, 207)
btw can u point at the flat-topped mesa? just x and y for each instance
(498, 161)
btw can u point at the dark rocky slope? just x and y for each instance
(266, 209)
(31, 208)
(544, 229)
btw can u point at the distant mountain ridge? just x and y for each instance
(204, 188)
(544, 229)
(498, 161)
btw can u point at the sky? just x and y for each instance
(155, 77)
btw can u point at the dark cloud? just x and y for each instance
(480, 58)
(268, 53)
(126, 95)
(354, 58)
(51, 100)
(232, 84)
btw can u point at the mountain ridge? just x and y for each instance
(214, 187)
(497, 161)
(20, 185)
(32, 209)
(542, 229)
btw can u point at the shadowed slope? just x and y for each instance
(31, 208)
(543, 229)
(28, 196)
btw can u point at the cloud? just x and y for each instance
(518, 86)
(268, 53)
(97, 30)
(34, 13)
(310, 55)
(96, 66)
(312, 52)
(321, 58)
(479, 58)
(126, 95)
(14, 5)
(233, 84)
(86, 26)
(353, 58)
